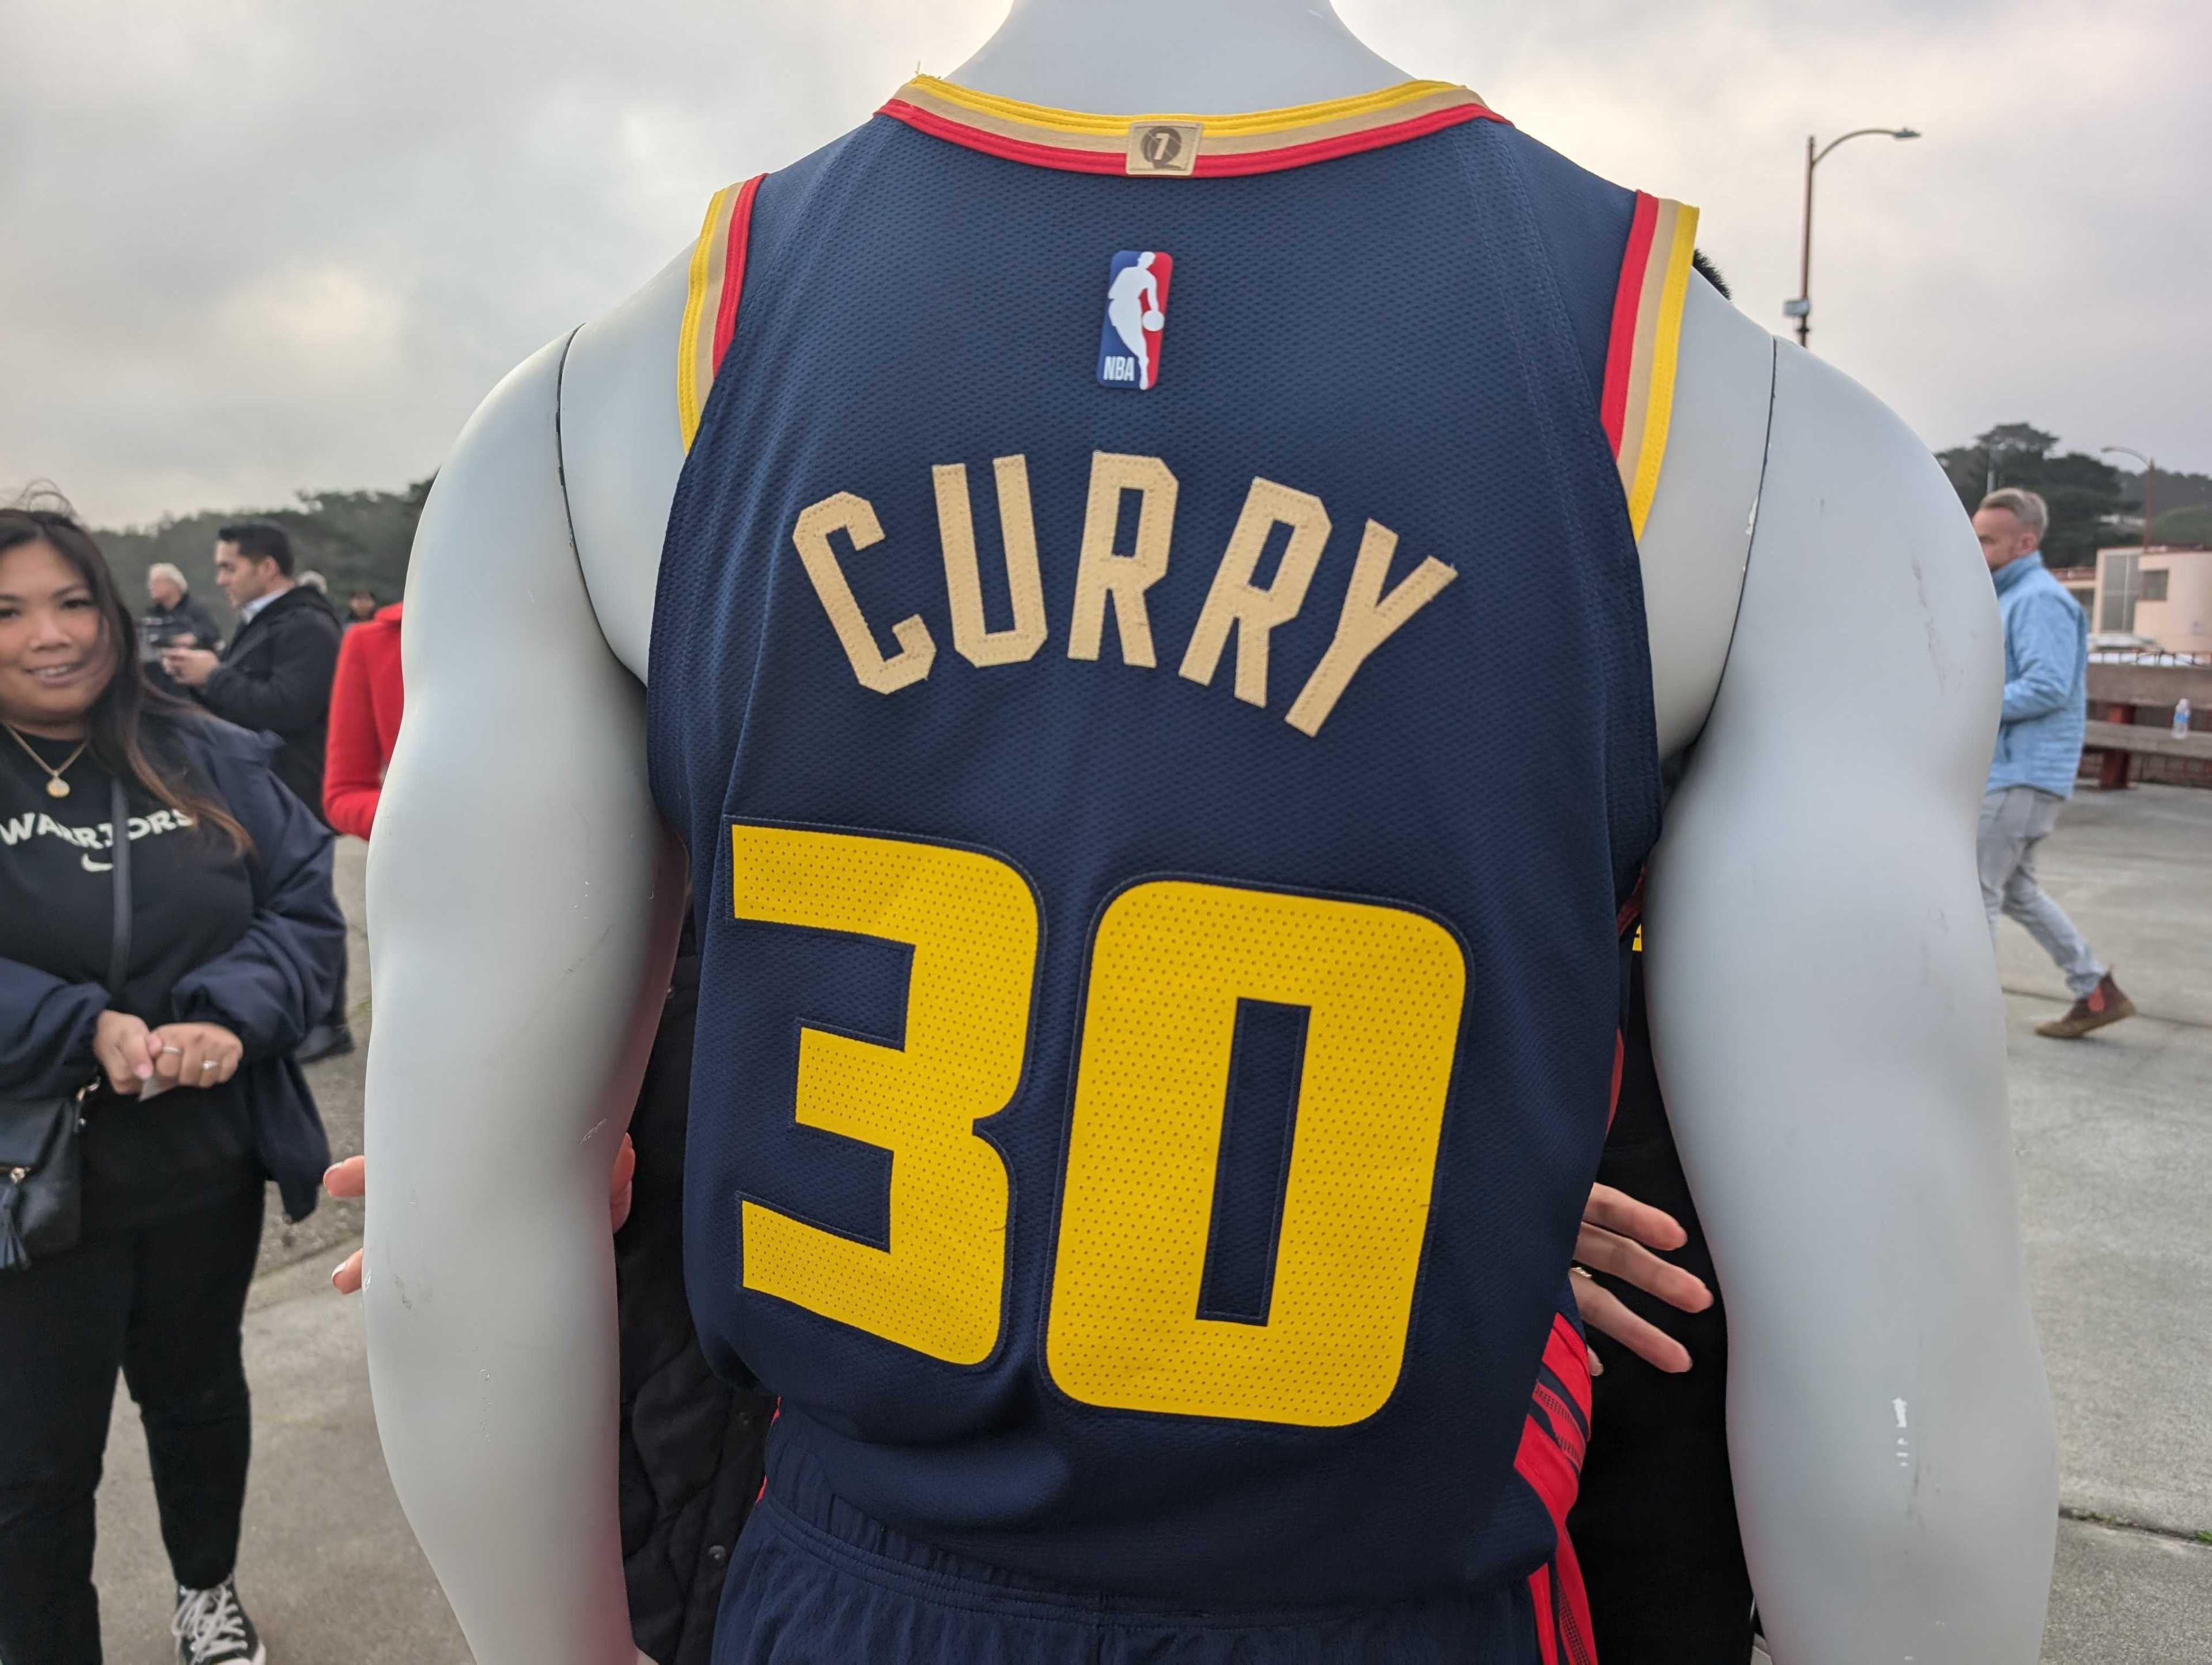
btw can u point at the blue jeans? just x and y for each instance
(2014, 822)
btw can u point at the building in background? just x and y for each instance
(2081, 583)
(2161, 593)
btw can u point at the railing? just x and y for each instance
(2129, 681)
(2156, 741)
(2150, 656)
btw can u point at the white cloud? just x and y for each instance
(255, 247)
(2040, 254)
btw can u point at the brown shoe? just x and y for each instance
(2102, 1005)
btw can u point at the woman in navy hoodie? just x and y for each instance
(235, 943)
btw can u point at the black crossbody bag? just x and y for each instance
(41, 1140)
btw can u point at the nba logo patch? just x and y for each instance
(1136, 315)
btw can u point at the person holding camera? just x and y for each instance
(174, 618)
(167, 934)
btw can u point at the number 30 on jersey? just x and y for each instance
(1169, 962)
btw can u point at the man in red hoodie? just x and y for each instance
(365, 700)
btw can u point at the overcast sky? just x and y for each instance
(250, 246)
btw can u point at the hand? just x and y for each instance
(195, 1054)
(126, 1050)
(1616, 1231)
(349, 1178)
(190, 665)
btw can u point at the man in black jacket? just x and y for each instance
(274, 677)
(174, 618)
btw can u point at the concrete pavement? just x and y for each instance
(2115, 1140)
(2114, 1136)
(326, 1566)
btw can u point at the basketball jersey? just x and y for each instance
(1150, 668)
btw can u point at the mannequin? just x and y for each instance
(1824, 1014)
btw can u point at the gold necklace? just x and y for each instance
(56, 787)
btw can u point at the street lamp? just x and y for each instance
(1801, 307)
(2150, 483)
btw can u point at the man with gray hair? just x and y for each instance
(2039, 751)
(172, 619)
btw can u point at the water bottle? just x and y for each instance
(2180, 718)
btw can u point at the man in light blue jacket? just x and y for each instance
(2039, 751)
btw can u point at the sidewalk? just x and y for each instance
(2114, 1135)
(327, 1566)
(2115, 1141)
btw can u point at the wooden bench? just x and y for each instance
(2117, 686)
(2116, 742)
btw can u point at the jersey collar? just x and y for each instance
(1182, 146)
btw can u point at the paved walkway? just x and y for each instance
(2115, 1142)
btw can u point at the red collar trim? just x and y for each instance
(1182, 146)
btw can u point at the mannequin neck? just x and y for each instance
(1202, 56)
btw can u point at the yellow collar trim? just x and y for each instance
(1112, 127)
(1260, 141)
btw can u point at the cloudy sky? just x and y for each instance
(253, 246)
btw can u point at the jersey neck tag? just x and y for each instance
(1162, 147)
(1136, 316)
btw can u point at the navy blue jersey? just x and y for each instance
(1150, 668)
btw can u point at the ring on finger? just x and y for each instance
(180, 1051)
(209, 1064)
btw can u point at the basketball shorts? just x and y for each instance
(814, 1583)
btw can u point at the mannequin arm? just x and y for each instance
(523, 897)
(1827, 1027)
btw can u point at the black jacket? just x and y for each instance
(162, 627)
(268, 989)
(276, 678)
(1655, 1523)
(187, 624)
(692, 1444)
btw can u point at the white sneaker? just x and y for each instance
(212, 1629)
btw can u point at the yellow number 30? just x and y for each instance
(1170, 961)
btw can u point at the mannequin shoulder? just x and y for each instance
(1868, 615)
(1796, 510)
(589, 424)
(1697, 538)
(622, 449)
(503, 474)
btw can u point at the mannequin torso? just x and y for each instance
(1813, 890)
(623, 451)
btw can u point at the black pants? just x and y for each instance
(165, 1305)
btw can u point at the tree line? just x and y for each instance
(355, 539)
(2092, 504)
(361, 539)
